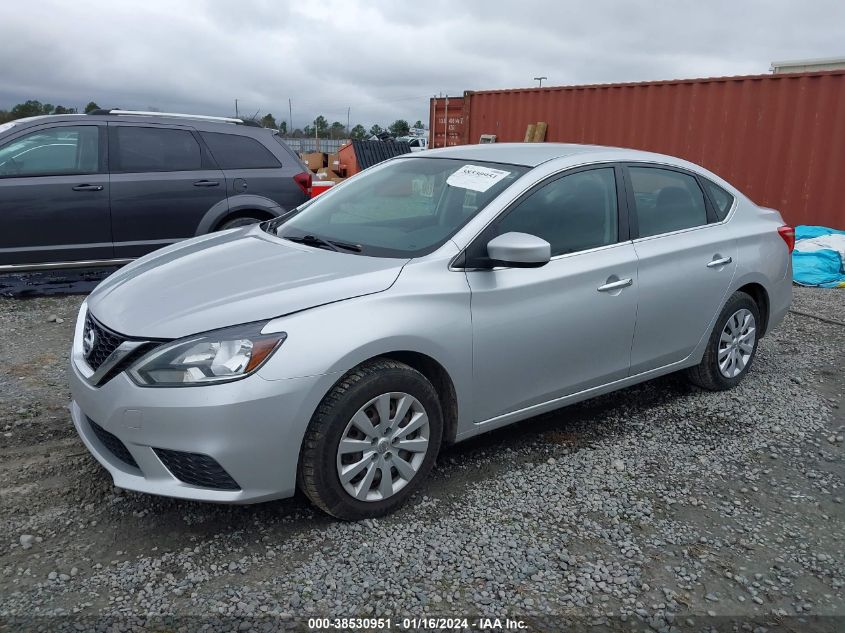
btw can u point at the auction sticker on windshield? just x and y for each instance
(476, 178)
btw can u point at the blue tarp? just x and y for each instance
(823, 267)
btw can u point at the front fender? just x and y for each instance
(426, 311)
(233, 204)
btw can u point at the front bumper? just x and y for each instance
(251, 428)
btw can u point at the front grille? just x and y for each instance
(113, 444)
(196, 469)
(104, 342)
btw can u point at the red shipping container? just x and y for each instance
(779, 138)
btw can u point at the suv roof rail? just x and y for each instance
(175, 115)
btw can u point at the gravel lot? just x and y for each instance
(659, 506)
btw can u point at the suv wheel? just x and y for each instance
(238, 222)
(732, 345)
(372, 441)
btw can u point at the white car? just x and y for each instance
(424, 301)
(417, 143)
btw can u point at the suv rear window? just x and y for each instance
(232, 151)
(141, 149)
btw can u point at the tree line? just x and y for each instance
(319, 127)
(36, 108)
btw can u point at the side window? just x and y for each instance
(142, 149)
(666, 200)
(73, 149)
(232, 151)
(572, 213)
(722, 200)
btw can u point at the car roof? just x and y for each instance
(569, 154)
(152, 119)
(533, 154)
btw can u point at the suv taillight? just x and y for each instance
(304, 182)
(788, 235)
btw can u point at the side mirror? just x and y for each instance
(519, 250)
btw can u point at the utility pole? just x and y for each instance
(290, 118)
(347, 122)
(540, 79)
(236, 109)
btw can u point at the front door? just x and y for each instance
(54, 196)
(687, 261)
(162, 184)
(543, 333)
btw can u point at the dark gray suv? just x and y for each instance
(104, 188)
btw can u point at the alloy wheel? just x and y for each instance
(736, 344)
(383, 446)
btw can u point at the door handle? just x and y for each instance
(615, 285)
(88, 188)
(206, 183)
(719, 262)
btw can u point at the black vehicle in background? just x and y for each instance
(104, 188)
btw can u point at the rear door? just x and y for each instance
(54, 195)
(162, 184)
(687, 259)
(252, 169)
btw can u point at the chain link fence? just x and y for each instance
(306, 145)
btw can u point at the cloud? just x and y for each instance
(382, 60)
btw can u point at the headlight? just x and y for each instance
(214, 357)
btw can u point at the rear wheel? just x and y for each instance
(372, 441)
(732, 345)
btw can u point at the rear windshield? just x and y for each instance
(406, 208)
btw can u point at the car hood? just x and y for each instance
(231, 278)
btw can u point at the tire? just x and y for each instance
(379, 382)
(736, 358)
(238, 222)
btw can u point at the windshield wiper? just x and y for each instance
(334, 245)
(355, 248)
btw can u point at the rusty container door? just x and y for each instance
(447, 122)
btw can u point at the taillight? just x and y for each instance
(304, 182)
(788, 235)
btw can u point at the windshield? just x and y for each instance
(406, 208)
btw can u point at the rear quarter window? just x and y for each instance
(721, 199)
(232, 151)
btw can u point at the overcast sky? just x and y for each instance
(382, 59)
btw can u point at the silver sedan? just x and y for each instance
(426, 300)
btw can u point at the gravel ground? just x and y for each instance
(660, 506)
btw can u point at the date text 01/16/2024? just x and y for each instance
(387, 624)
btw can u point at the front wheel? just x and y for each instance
(372, 441)
(732, 345)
